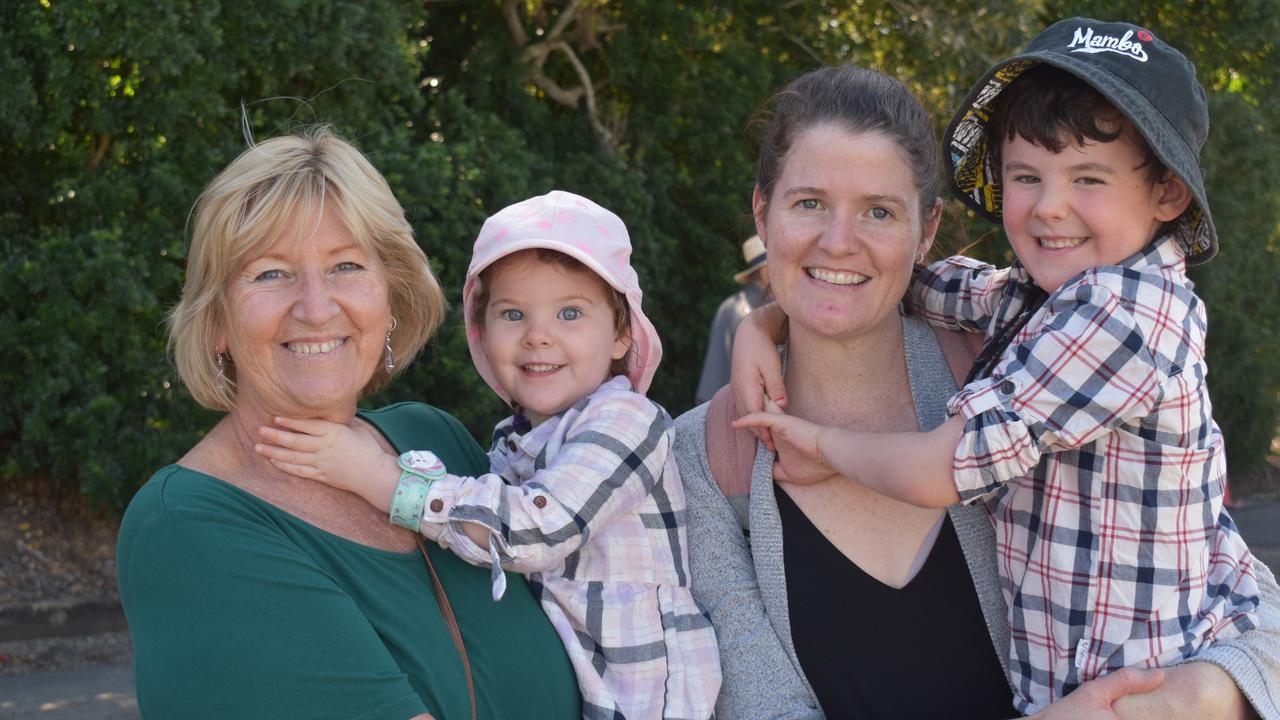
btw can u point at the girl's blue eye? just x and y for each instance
(512, 314)
(569, 313)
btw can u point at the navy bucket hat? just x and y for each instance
(1147, 80)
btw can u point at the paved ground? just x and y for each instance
(105, 692)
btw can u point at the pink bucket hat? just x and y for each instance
(584, 231)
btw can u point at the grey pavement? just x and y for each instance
(100, 692)
(105, 692)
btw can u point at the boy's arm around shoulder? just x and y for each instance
(1032, 404)
(957, 293)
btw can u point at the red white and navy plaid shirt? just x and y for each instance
(590, 506)
(1093, 443)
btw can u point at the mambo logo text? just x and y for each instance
(1087, 42)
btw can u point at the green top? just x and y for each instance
(240, 610)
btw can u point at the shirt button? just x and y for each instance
(511, 445)
(539, 501)
(1007, 387)
(437, 505)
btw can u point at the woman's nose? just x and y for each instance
(315, 304)
(841, 236)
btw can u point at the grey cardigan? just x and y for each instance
(744, 588)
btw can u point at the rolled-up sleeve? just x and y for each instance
(1084, 371)
(957, 293)
(612, 456)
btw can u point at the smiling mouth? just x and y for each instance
(1060, 243)
(540, 368)
(836, 277)
(315, 348)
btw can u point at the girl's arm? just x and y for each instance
(612, 457)
(345, 457)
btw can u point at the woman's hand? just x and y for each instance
(348, 458)
(1098, 698)
(1198, 690)
(799, 453)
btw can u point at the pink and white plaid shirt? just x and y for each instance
(1094, 437)
(590, 506)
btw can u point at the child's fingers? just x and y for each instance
(775, 392)
(305, 472)
(302, 425)
(290, 440)
(748, 397)
(285, 455)
(766, 437)
(756, 420)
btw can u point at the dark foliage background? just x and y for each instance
(115, 115)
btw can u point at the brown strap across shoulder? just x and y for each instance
(451, 622)
(960, 349)
(731, 452)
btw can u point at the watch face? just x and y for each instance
(424, 462)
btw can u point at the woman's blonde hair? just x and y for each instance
(247, 207)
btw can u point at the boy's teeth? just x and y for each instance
(315, 348)
(837, 278)
(1060, 243)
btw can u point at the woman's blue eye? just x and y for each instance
(809, 204)
(349, 266)
(512, 314)
(880, 213)
(268, 275)
(569, 313)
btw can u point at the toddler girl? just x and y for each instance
(583, 494)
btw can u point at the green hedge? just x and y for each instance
(117, 113)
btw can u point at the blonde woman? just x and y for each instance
(253, 593)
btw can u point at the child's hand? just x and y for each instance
(756, 371)
(338, 455)
(798, 442)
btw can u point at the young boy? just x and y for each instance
(1086, 419)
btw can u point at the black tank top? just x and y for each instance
(872, 651)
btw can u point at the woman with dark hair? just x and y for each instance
(828, 598)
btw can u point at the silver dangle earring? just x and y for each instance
(390, 359)
(222, 368)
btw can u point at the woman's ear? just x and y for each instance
(1172, 198)
(932, 219)
(758, 207)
